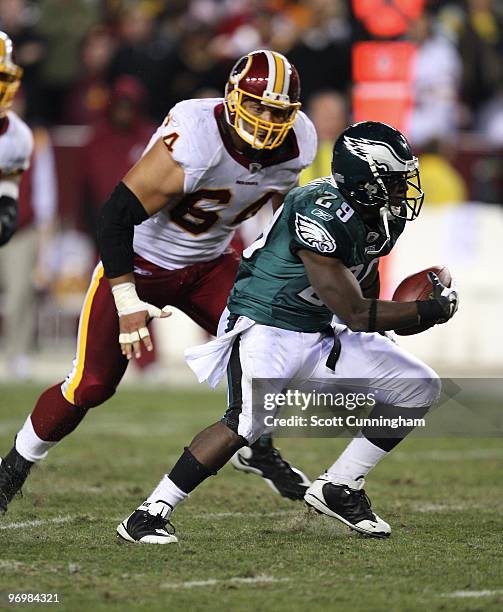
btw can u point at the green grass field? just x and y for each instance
(241, 546)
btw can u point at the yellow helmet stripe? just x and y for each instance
(3, 49)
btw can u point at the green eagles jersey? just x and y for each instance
(272, 287)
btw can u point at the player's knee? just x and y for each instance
(422, 387)
(93, 395)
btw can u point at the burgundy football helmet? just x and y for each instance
(10, 74)
(266, 76)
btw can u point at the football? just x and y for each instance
(418, 287)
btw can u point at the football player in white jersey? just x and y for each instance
(16, 142)
(164, 237)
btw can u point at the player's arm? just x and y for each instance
(9, 194)
(154, 180)
(372, 285)
(338, 289)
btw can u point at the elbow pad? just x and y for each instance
(8, 218)
(121, 212)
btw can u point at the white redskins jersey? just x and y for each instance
(16, 145)
(222, 186)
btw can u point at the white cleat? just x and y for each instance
(149, 524)
(348, 503)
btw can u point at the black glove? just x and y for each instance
(441, 306)
(8, 218)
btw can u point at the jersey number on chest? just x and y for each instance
(198, 212)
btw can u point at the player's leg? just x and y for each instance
(257, 353)
(205, 304)
(97, 370)
(403, 386)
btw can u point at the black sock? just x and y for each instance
(188, 473)
(386, 438)
(263, 443)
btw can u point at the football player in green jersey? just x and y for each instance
(305, 307)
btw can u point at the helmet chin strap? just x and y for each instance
(385, 214)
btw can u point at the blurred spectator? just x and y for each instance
(328, 111)
(86, 101)
(64, 23)
(322, 54)
(481, 47)
(436, 85)
(490, 120)
(116, 144)
(24, 266)
(193, 70)
(18, 19)
(254, 24)
(143, 53)
(440, 181)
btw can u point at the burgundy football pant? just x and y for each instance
(199, 290)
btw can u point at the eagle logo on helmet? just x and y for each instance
(270, 79)
(379, 153)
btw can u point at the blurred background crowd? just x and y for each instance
(99, 75)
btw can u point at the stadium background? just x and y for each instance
(99, 75)
(432, 68)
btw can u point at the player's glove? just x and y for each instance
(447, 297)
(8, 218)
(441, 306)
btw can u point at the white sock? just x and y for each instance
(357, 459)
(168, 492)
(29, 445)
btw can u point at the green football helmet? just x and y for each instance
(373, 166)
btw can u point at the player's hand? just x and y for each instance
(446, 297)
(134, 316)
(134, 331)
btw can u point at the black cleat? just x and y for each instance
(349, 505)
(14, 470)
(266, 461)
(149, 524)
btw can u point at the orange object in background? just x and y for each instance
(388, 102)
(383, 61)
(383, 73)
(387, 18)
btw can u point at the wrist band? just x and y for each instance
(126, 299)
